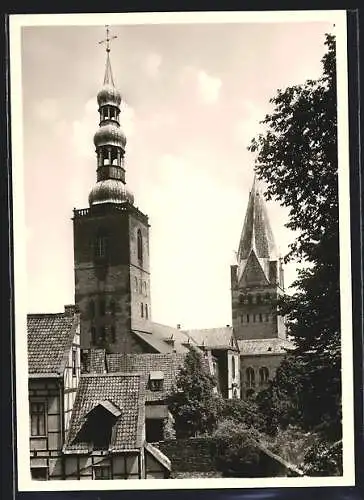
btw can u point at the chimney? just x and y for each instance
(69, 310)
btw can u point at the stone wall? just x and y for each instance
(195, 457)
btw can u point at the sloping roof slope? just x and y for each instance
(122, 390)
(168, 363)
(50, 338)
(257, 347)
(214, 337)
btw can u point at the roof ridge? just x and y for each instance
(47, 314)
(112, 374)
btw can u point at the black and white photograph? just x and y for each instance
(182, 262)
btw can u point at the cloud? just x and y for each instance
(152, 64)
(209, 87)
(46, 110)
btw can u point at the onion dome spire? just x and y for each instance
(110, 142)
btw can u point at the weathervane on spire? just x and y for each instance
(107, 40)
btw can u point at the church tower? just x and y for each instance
(111, 240)
(257, 278)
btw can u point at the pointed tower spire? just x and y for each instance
(108, 78)
(257, 235)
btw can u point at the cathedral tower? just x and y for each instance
(257, 278)
(111, 240)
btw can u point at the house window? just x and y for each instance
(156, 379)
(142, 310)
(263, 375)
(146, 311)
(102, 472)
(250, 377)
(74, 362)
(140, 247)
(38, 419)
(39, 473)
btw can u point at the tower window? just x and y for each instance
(113, 334)
(141, 310)
(112, 306)
(233, 367)
(136, 283)
(93, 335)
(247, 318)
(102, 333)
(259, 298)
(250, 377)
(102, 306)
(260, 317)
(91, 308)
(101, 246)
(146, 311)
(140, 247)
(250, 299)
(267, 317)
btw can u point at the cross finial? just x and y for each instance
(107, 40)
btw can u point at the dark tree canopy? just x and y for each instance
(193, 403)
(297, 157)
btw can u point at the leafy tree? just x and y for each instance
(193, 403)
(237, 453)
(244, 412)
(297, 157)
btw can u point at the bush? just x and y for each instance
(242, 412)
(323, 459)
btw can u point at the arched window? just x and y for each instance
(267, 297)
(91, 309)
(141, 310)
(259, 298)
(250, 299)
(247, 318)
(136, 283)
(146, 311)
(233, 366)
(250, 377)
(140, 247)
(260, 317)
(235, 393)
(267, 317)
(263, 375)
(102, 306)
(102, 333)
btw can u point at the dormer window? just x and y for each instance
(156, 379)
(97, 429)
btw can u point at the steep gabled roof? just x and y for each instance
(117, 390)
(168, 363)
(50, 338)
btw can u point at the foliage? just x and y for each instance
(291, 444)
(242, 412)
(297, 158)
(236, 449)
(193, 403)
(323, 459)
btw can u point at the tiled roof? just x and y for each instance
(97, 361)
(264, 346)
(214, 337)
(121, 390)
(157, 344)
(50, 338)
(168, 363)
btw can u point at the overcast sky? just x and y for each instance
(195, 95)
